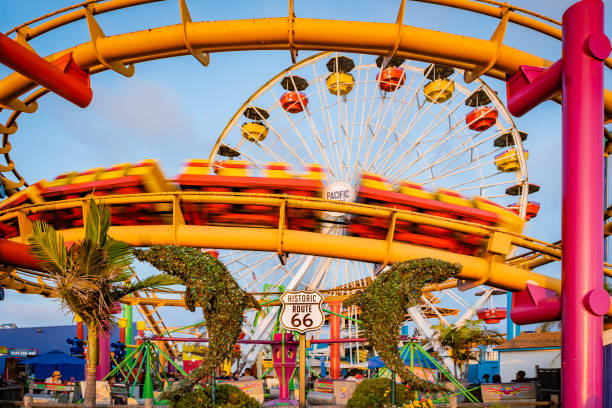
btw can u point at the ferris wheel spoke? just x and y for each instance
(385, 106)
(342, 119)
(331, 136)
(404, 108)
(405, 111)
(442, 138)
(443, 115)
(375, 111)
(459, 149)
(319, 273)
(366, 125)
(501, 183)
(284, 142)
(234, 256)
(433, 307)
(351, 129)
(294, 127)
(257, 282)
(243, 272)
(461, 169)
(482, 179)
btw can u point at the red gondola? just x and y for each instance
(391, 79)
(482, 118)
(294, 102)
(533, 207)
(492, 315)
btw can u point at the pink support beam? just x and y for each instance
(104, 362)
(334, 333)
(531, 86)
(584, 301)
(535, 305)
(61, 76)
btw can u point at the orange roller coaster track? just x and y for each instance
(476, 56)
(489, 268)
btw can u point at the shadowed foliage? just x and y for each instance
(209, 285)
(461, 340)
(383, 306)
(90, 278)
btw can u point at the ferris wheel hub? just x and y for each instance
(339, 191)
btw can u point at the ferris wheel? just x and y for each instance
(357, 116)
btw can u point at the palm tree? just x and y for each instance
(90, 278)
(461, 340)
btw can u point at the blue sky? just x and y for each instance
(173, 110)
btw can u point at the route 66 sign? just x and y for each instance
(302, 310)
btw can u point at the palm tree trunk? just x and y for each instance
(92, 364)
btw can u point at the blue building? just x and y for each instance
(24, 342)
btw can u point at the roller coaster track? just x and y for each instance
(476, 56)
(490, 268)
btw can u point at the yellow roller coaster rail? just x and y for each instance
(490, 268)
(475, 56)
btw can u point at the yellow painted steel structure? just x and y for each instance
(476, 56)
(491, 269)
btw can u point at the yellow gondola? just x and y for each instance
(508, 161)
(340, 83)
(439, 91)
(254, 131)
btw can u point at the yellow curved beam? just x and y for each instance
(10, 279)
(311, 243)
(309, 34)
(491, 271)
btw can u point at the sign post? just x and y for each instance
(302, 312)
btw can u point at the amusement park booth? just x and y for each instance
(25, 342)
(44, 365)
(528, 350)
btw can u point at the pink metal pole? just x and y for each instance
(584, 301)
(104, 362)
(334, 334)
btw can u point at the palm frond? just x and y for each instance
(120, 255)
(97, 223)
(152, 282)
(89, 259)
(48, 246)
(550, 326)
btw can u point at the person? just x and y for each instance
(496, 379)
(56, 378)
(520, 376)
(224, 376)
(486, 378)
(21, 379)
(235, 376)
(351, 375)
(247, 375)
